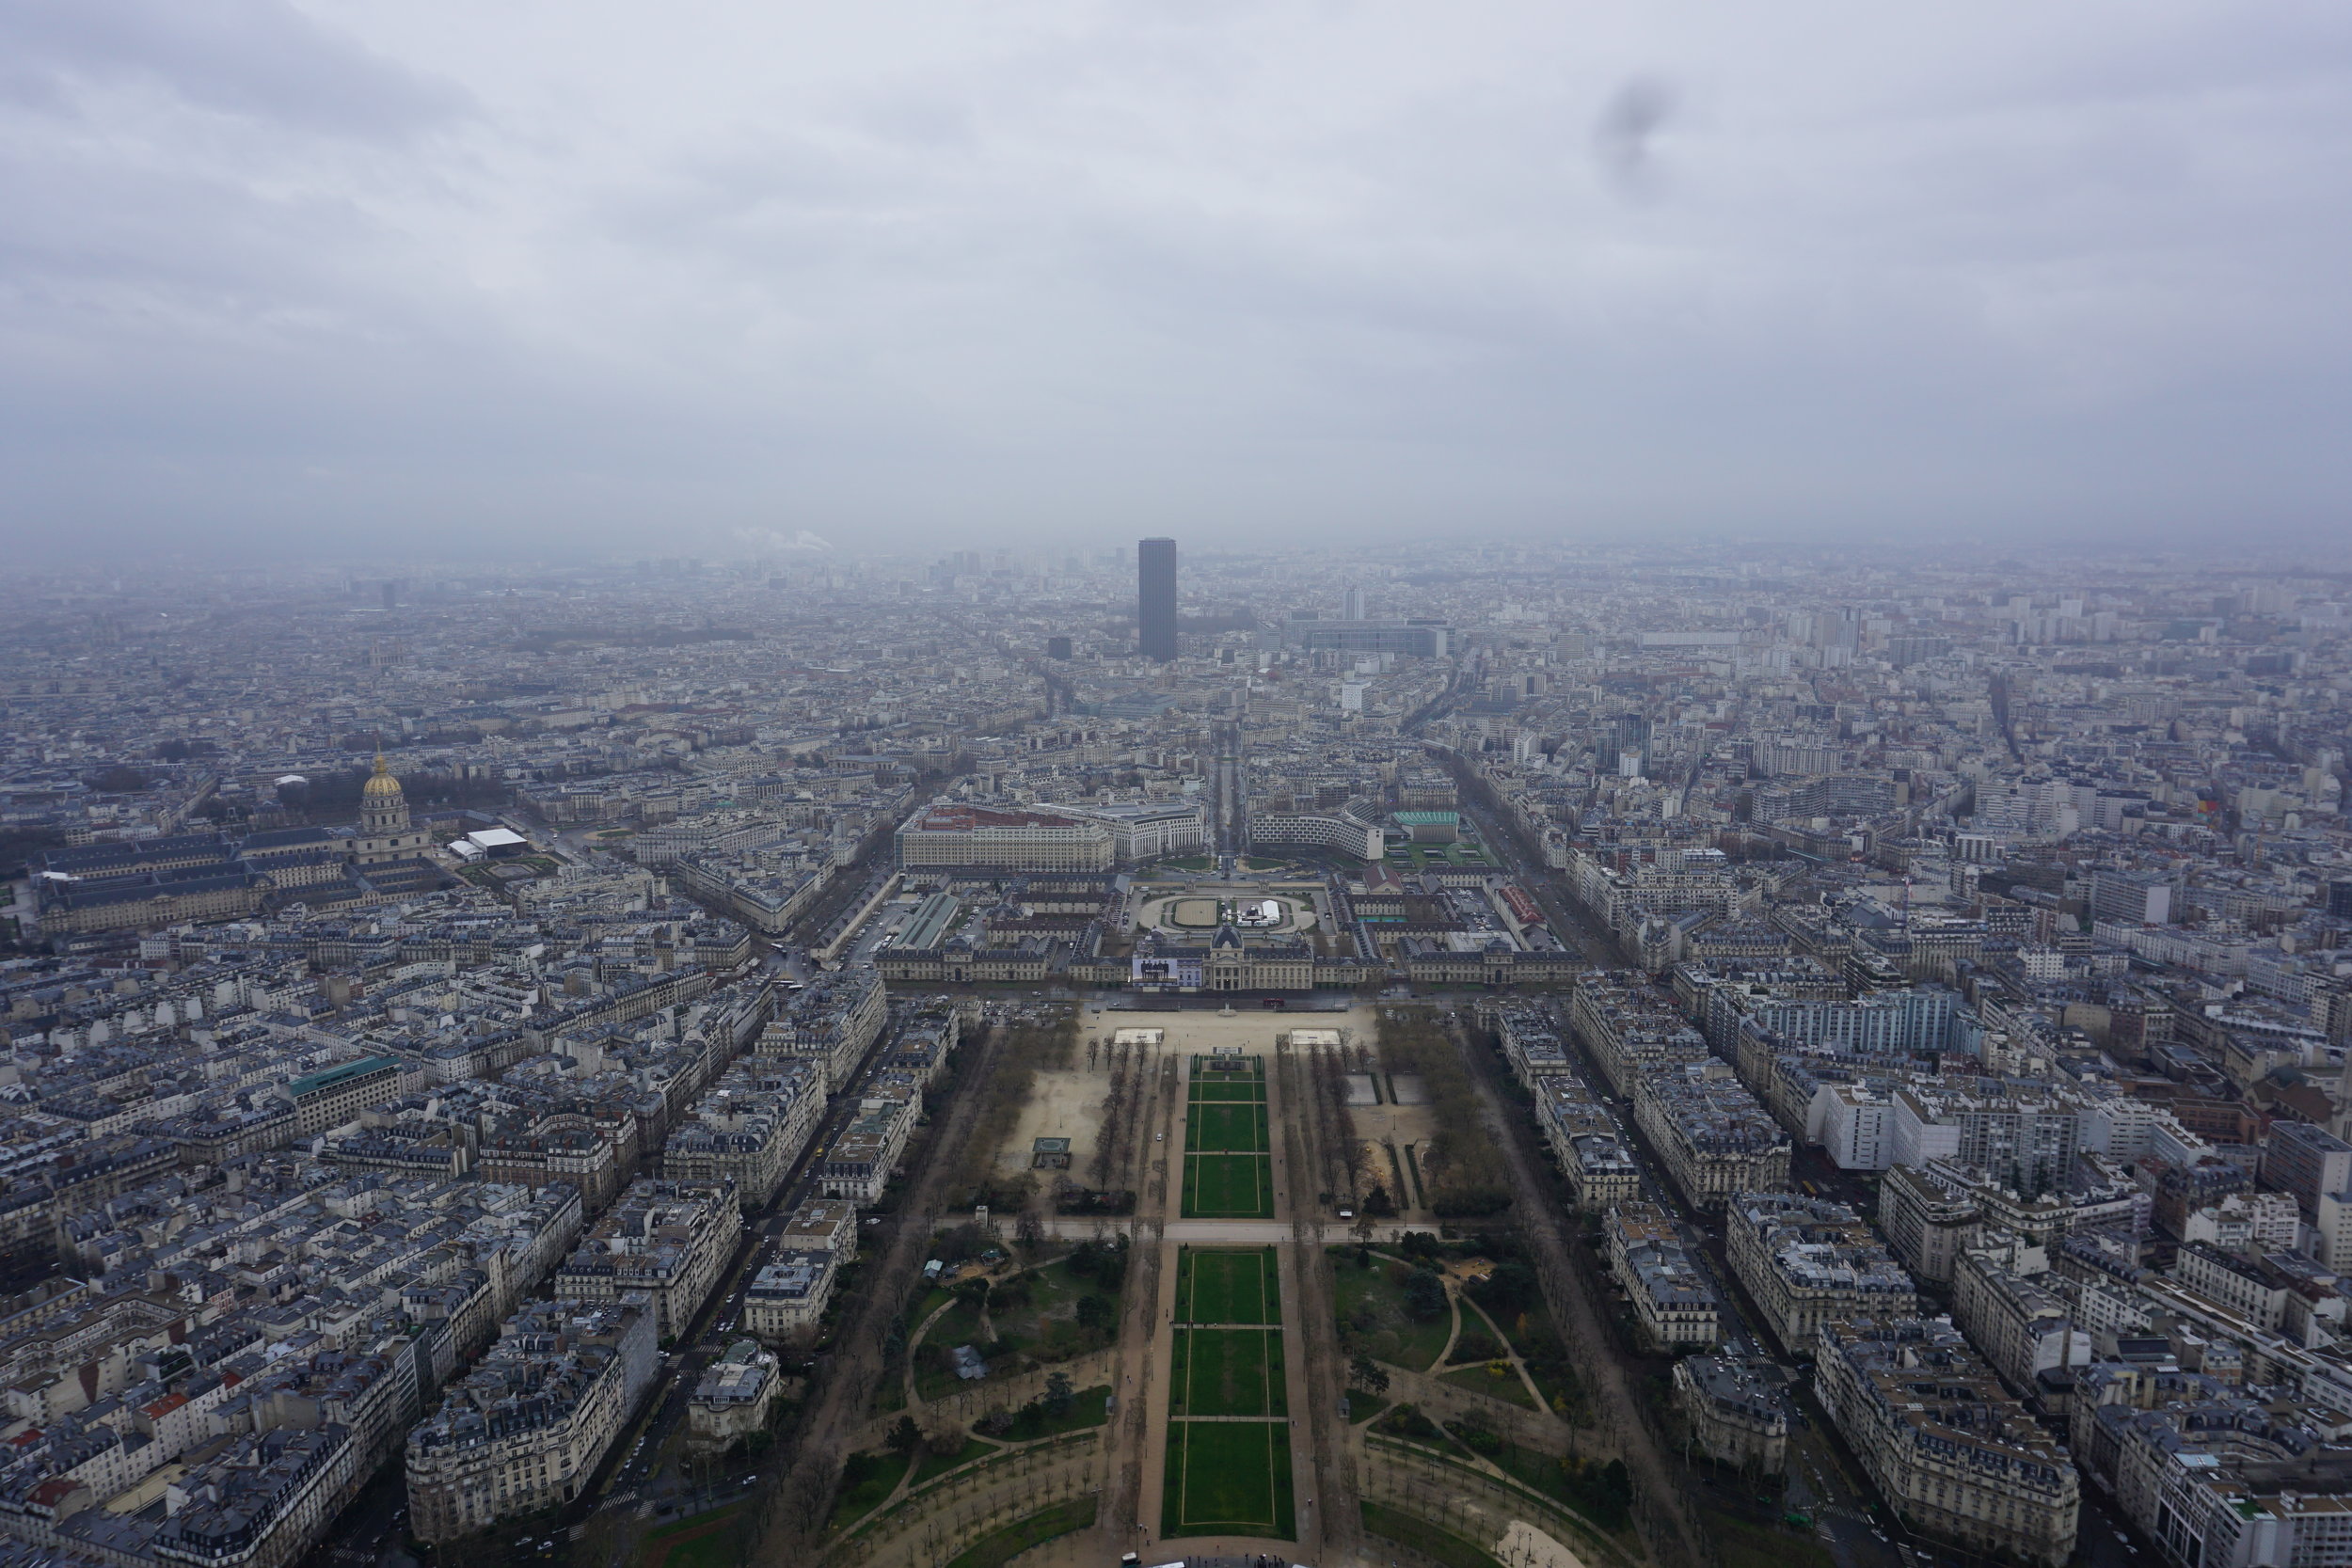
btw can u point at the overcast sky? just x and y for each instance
(435, 275)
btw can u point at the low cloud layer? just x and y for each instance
(276, 275)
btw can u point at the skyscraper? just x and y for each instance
(1155, 598)
(1355, 604)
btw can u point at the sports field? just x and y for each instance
(1228, 1478)
(1222, 1285)
(1229, 1173)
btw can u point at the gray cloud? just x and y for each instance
(535, 273)
(261, 59)
(1630, 122)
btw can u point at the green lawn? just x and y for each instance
(1481, 1380)
(1226, 1091)
(1227, 1285)
(1436, 1544)
(1531, 1335)
(718, 1544)
(1370, 1305)
(1001, 1547)
(1228, 1478)
(1045, 1325)
(1088, 1407)
(1228, 1187)
(866, 1481)
(958, 1325)
(1227, 1128)
(939, 1465)
(1227, 1371)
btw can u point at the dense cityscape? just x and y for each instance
(1677, 1056)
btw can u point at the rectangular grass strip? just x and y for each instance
(1229, 1186)
(1228, 1371)
(1228, 1478)
(1233, 1285)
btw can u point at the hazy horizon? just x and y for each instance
(329, 281)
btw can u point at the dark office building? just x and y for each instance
(1627, 732)
(1057, 647)
(1155, 598)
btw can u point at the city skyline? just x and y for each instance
(851, 1060)
(1267, 785)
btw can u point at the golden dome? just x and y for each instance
(380, 783)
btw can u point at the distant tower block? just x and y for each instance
(1155, 599)
(1355, 604)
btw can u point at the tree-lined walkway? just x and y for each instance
(1673, 1534)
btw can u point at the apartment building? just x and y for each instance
(859, 1164)
(1806, 1261)
(1737, 1411)
(2003, 1300)
(732, 1398)
(2215, 1478)
(821, 1224)
(1626, 1024)
(2234, 1282)
(1712, 1137)
(1673, 1298)
(526, 1428)
(1901, 1022)
(594, 1152)
(786, 1300)
(2024, 1136)
(1857, 1125)
(830, 1023)
(1599, 1168)
(1956, 1456)
(1531, 1040)
(748, 1128)
(337, 1095)
(2306, 1162)
(667, 1242)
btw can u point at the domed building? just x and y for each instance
(386, 834)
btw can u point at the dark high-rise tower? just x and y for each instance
(1155, 598)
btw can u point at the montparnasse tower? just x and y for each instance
(383, 809)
